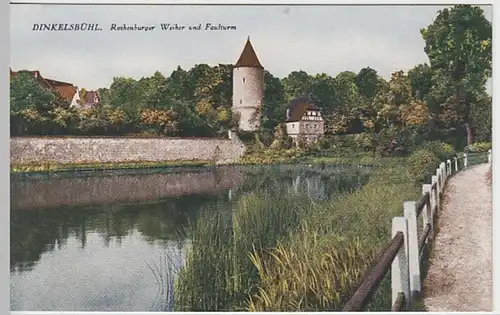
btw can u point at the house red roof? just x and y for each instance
(91, 97)
(66, 91)
(248, 57)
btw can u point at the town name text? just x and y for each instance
(67, 27)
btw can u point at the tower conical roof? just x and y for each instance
(248, 57)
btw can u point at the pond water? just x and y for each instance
(98, 241)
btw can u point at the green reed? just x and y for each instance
(279, 251)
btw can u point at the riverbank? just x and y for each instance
(92, 166)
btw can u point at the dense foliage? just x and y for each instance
(441, 100)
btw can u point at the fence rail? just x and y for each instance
(403, 254)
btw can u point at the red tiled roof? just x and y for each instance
(64, 89)
(91, 96)
(57, 83)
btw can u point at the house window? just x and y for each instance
(293, 126)
(307, 126)
(241, 100)
(315, 126)
(243, 80)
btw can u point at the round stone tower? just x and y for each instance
(248, 88)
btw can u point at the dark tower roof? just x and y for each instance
(248, 57)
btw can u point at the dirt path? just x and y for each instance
(459, 277)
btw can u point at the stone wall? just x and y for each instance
(113, 150)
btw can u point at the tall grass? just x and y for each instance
(218, 274)
(281, 252)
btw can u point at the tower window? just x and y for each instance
(243, 80)
(241, 100)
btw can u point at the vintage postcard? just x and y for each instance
(174, 157)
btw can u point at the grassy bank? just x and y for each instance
(56, 167)
(295, 155)
(282, 252)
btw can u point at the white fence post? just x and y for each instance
(489, 156)
(436, 197)
(465, 160)
(448, 161)
(440, 176)
(456, 164)
(438, 191)
(399, 268)
(427, 211)
(442, 168)
(439, 180)
(410, 211)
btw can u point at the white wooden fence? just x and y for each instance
(403, 255)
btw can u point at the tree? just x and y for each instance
(91, 121)
(177, 85)
(27, 93)
(391, 103)
(481, 117)
(124, 94)
(104, 96)
(161, 121)
(64, 120)
(414, 113)
(273, 109)
(83, 93)
(458, 44)
(345, 113)
(368, 83)
(281, 139)
(115, 119)
(421, 81)
(296, 84)
(323, 93)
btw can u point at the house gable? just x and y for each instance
(64, 89)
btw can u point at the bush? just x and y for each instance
(441, 149)
(388, 144)
(246, 136)
(365, 141)
(479, 147)
(422, 164)
(323, 143)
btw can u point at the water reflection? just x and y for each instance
(36, 232)
(39, 192)
(106, 243)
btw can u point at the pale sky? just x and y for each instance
(315, 39)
